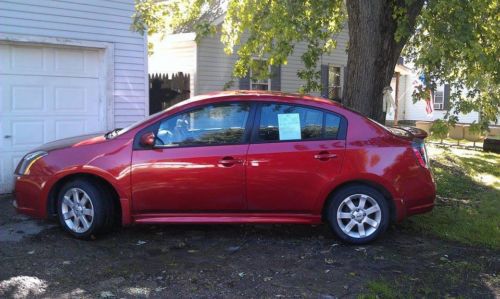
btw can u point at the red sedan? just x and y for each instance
(234, 157)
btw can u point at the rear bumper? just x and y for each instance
(419, 196)
(421, 202)
(420, 209)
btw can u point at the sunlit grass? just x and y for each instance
(468, 204)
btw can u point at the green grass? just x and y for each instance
(468, 202)
(446, 276)
(379, 289)
(468, 211)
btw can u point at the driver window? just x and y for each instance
(211, 125)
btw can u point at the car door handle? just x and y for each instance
(323, 156)
(229, 161)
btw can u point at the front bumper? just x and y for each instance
(29, 196)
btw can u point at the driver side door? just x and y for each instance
(197, 163)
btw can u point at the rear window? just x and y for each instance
(405, 132)
(399, 132)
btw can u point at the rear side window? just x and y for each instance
(280, 122)
(332, 124)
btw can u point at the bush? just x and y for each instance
(439, 129)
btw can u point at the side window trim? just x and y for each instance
(341, 135)
(256, 124)
(155, 127)
(250, 121)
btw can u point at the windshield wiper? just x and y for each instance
(112, 133)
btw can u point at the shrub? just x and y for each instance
(439, 129)
(476, 129)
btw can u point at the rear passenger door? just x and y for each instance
(296, 153)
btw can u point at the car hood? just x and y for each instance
(73, 142)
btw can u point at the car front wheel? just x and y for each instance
(84, 208)
(358, 214)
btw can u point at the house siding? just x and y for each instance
(290, 82)
(176, 53)
(214, 67)
(95, 21)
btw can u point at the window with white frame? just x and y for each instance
(438, 100)
(256, 73)
(334, 87)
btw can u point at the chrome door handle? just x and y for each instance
(229, 161)
(325, 156)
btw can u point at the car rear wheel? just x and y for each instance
(84, 208)
(358, 214)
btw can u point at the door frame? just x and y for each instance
(106, 69)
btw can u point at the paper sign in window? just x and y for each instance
(289, 126)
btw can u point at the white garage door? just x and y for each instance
(46, 93)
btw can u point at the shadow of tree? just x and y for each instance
(467, 204)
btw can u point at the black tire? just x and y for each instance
(101, 201)
(336, 200)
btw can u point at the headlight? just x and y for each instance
(28, 160)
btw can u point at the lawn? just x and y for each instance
(468, 197)
(467, 211)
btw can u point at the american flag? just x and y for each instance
(428, 101)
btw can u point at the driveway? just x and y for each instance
(39, 259)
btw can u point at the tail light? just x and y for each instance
(421, 154)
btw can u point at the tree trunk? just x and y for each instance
(373, 52)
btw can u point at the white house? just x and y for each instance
(403, 85)
(66, 68)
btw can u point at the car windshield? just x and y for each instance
(117, 132)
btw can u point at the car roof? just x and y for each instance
(258, 94)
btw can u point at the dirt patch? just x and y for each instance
(236, 261)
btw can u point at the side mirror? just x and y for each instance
(148, 139)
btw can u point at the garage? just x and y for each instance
(47, 93)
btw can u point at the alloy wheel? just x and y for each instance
(77, 210)
(359, 216)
